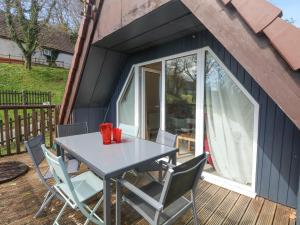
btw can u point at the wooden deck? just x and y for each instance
(21, 198)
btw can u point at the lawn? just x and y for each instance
(40, 78)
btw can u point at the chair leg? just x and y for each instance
(194, 209)
(60, 214)
(47, 200)
(93, 214)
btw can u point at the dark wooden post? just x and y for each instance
(1, 133)
(34, 123)
(17, 131)
(42, 121)
(50, 125)
(26, 130)
(7, 136)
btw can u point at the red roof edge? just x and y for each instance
(85, 36)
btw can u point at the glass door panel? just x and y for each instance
(151, 103)
(180, 102)
(127, 103)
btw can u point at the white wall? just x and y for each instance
(66, 59)
(8, 47)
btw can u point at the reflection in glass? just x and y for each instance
(126, 104)
(181, 74)
(229, 125)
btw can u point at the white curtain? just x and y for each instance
(229, 124)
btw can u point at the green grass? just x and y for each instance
(40, 78)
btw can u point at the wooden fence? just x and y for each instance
(24, 97)
(19, 59)
(19, 123)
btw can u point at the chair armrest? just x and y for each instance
(147, 198)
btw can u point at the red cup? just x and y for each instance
(117, 135)
(105, 129)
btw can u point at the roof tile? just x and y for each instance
(286, 39)
(257, 13)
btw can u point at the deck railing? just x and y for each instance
(19, 123)
(19, 59)
(24, 97)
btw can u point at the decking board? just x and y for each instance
(237, 211)
(21, 198)
(220, 214)
(267, 213)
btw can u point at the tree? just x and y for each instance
(67, 13)
(24, 20)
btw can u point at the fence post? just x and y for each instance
(7, 137)
(50, 125)
(1, 134)
(34, 122)
(25, 124)
(17, 131)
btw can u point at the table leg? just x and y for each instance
(174, 158)
(107, 201)
(118, 203)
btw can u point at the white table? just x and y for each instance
(111, 161)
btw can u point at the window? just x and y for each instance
(126, 109)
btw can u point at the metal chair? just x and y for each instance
(163, 138)
(164, 203)
(35, 151)
(76, 190)
(129, 130)
(69, 130)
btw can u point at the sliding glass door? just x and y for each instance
(180, 102)
(200, 101)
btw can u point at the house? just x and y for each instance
(54, 42)
(221, 74)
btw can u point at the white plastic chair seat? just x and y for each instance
(85, 185)
(72, 167)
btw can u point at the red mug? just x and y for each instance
(117, 135)
(105, 129)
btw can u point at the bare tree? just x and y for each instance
(24, 19)
(67, 14)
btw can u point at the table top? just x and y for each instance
(112, 160)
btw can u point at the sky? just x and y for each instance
(290, 9)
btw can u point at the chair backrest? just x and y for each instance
(166, 138)
(61, 176)
(129, 130)
(59, 171)
(72, 129)
(183, 178)
(33, 146)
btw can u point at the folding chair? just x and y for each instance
(69, 130)
(164, 138)
(165, 203)
(36, 153)
(76, 190)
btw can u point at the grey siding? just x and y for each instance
(92, 115)
(279, 139)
